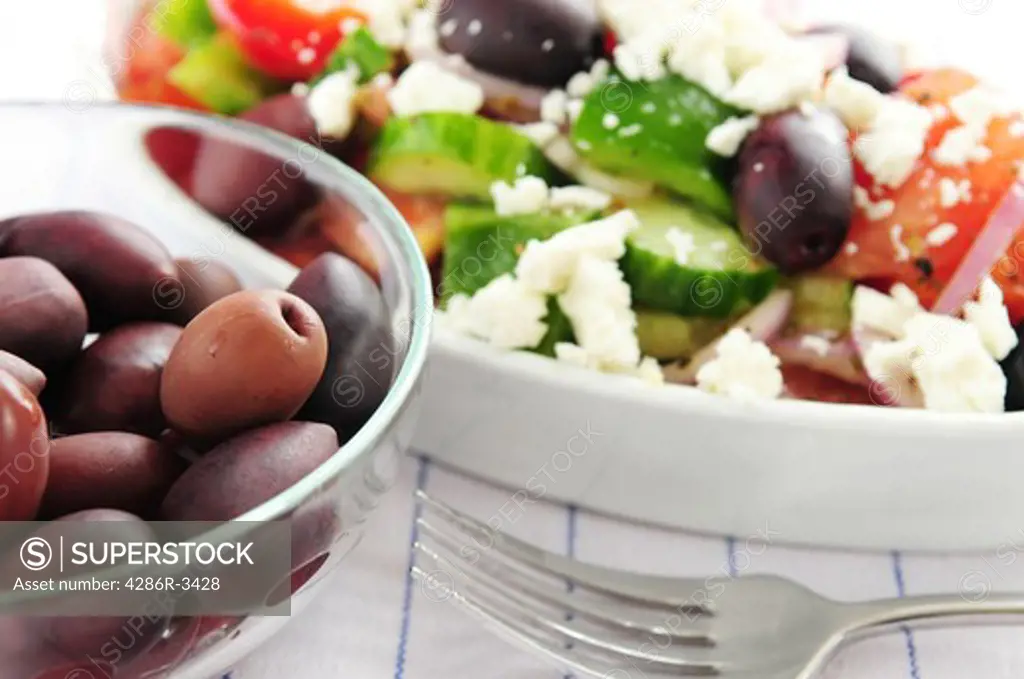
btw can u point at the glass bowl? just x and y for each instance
(100, 157)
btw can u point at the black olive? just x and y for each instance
(1013, 368)
(793, 189)
(870, 59)
(535, 42)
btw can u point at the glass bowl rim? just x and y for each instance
(387, 221)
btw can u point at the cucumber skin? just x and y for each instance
(668, 337)
(215, 73)
(692, 292)
(480, 245)
(673, 156)
(362, 49)
(469, 228)
(484, 150)
(184, 22)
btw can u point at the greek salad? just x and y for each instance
(703, 192)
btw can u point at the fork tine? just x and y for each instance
(548, 650)
(497, 596)
(657, 591)
(593, 664)
(503, 576)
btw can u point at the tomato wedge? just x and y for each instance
(904, 246)
(288, 39)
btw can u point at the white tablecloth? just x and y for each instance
(373, 622)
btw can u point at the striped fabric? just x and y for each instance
(374, 622)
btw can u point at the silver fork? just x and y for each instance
(611, 624)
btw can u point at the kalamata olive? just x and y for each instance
(871, 58)
(26, 373)
(246, 471)
(537, 42)
(114, 385)
(24, 451)
(249, 359)
(117, 266)
(360, 360)
(258, 194)
(42, 317)
(794, 189)
(1013, 368)
(203, 283)
(99, 636)
(113, 470)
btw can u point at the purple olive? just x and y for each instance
(114, 385)
(360, 354)
(870, 59)
(248, 470)
(42, 317)
(794, 189)
(535, 42)
(258, 194)
(23, 371)
(116, 265)
(108, 469)
(203, 281)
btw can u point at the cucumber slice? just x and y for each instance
(454, 154)
(215, 74)
(820, 303)
(669, 337)
(184, 22)
(659, 136)
(360, 48)
(480, 245)
(719, 278)
(559, 330)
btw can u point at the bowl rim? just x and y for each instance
(689, 400)
(397, 238)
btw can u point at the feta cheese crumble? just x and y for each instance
(527, 196)
(504, 313)
(682, 245)
(952, 362)
(597, 303)
(856, 102)
(787, 77)
(816, 343)
(952, 193)
(553, 107)
(385, 19)
(548, 266)
(567, 198)
(990, 318)
(975, 108)
(891, 146)
(941, 234)
(743, 369)
(331, 104)
(726, 139)
(872, 210)
(425, 87)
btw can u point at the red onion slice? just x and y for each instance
(838, 359)
(763, 322)
(887, 389)
(988, 247)
(527, 98)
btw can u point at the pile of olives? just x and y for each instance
(134, 386)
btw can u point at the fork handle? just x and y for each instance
(939, 610)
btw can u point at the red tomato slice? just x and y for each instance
(144, 75)
(289, 39)
(895, 248)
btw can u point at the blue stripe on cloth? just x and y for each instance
(730, 556)
(403, 634)
(226, 676)
(570, 551)
(901, 590)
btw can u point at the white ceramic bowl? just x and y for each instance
(817, 473)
